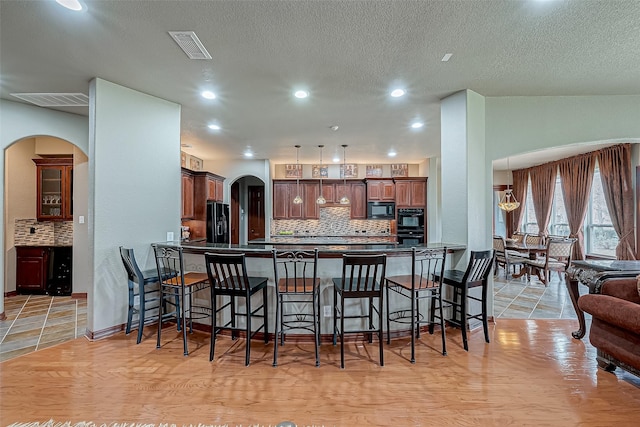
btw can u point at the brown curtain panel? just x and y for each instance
(543, 184)
(576, 175)
(520, 183)
(615, 173)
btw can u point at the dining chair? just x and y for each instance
(427, 267)
(475, 275)
(557, 257)
(144, 293)
(176, 282)
(229, 278)
(534, 239)
(362, 279)
(506, 258)
(298, 289)
(518, 236)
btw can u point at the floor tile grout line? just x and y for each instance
(17, 316)
(45, 323)
(75, 330)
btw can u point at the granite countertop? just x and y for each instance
(326, 240)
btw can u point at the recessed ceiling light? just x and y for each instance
(214, 127)
(208, 94)
(417, 125)
(446, 57)
(248, 153)
(70, 4)
(392, 153)
(396, 93)
(336, 159)
(301, 94)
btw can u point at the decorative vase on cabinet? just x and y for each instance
(54, 189)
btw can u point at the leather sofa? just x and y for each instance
(615, 327)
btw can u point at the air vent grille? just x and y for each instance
(190, 44)
(54, 99)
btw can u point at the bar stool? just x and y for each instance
(174, 281)
(143, 285)
(362, 278)
(228, 276)
(475, 275)
(427, 266)
(297, 286)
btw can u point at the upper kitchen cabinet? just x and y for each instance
(358, 200)
(188, 184)
(411, 192)
(206, 187)
(54, 189)
(381, 190)
(285, 191)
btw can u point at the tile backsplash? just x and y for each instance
(334, 221)
(46, 233)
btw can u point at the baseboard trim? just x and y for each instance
(79, 295)
(10, 294)
(3, 316)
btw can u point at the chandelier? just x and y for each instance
(321, 200)
(297, 200)
(344, 200)
(508, 202)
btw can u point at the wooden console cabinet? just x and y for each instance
(43, 269)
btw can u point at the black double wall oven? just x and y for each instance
(410, 226)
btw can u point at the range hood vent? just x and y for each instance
(190, 44)
(54, 99)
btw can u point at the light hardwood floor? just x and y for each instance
(532, 373)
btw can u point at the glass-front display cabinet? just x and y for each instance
(54, 189)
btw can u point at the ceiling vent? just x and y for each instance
(190, 44)
(54, 99)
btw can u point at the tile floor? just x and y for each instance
(35, 322)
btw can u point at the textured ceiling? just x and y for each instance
(349, 54)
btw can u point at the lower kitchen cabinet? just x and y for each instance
(43, 269)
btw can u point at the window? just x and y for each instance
(600, 236)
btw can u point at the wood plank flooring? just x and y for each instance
(532, 373)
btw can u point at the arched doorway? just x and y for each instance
(248, 217)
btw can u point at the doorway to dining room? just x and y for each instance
(248, 217)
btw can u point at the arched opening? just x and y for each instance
(248, 205)
(25, 198)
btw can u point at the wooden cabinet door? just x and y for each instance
(187, 196)
(67, 198)
(211, 190)
(295, 211)
(281, 200)
(418, 194)
(310, 207)
(31, 269)
(387, 191)
(373, 191)
(341, 191)
(403, 194)
(329, 193)
(219, 191)
(54, 189)
(358, 200)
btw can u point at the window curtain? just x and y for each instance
(543, 183)
(576, 176)
(520, 182)
(615, 173)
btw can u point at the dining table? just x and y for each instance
(592, 273)
(530, 251)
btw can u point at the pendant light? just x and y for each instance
(344, 200)
(297, 200)
(508, 202)
(321, 200)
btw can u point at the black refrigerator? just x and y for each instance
(217, 222)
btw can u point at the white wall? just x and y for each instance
(18, 121)
(134, 170)
(522, 124)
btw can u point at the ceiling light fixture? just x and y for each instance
(70, 4)
(508, 202)
(297, 200)
(321, 200)
(214, 127)
(301, 94)
(248, 153)
(392, 153)
(396, 93)
(417, 125)
(447, 57)
(207, 94)
(344, 200)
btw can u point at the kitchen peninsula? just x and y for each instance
(330, 264)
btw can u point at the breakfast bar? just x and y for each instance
(330, 251)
